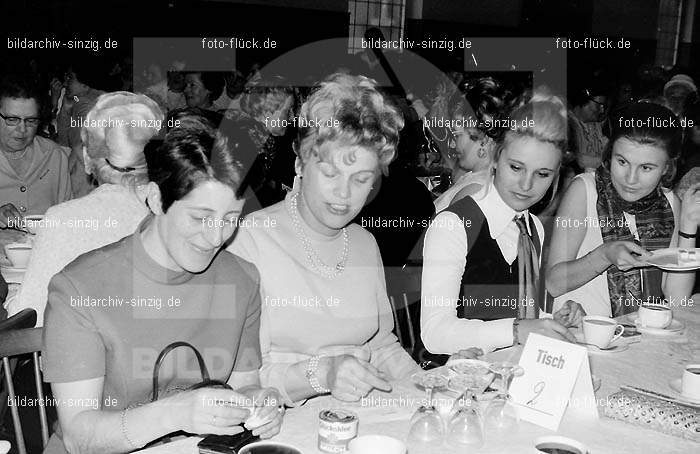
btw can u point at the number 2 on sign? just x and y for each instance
(537, 389)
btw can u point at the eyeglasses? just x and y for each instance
(30, 122)
(602, 105)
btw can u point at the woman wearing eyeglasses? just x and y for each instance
(33, 170)
(586, 137)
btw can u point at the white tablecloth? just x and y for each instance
(650, 364)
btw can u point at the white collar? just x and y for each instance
(497, 212)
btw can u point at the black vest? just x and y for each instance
(489, 287)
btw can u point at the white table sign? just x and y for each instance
(556, 377)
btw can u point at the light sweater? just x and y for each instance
(305, 314)
(70, 229)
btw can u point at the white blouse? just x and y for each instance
(444, 261)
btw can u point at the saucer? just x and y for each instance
(12, 275)
(676, 259)
(676, 387)
(676, 327)
(617, 347)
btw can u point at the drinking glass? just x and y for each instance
(501, 417)
(426, 424)
(426, 427)
(466, 428)
(429, 381)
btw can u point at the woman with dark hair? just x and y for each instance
(203, 88)
(476, 125)
(690, 155)
(111, 311)
(609, 220)
(586, 139)
(84, 82)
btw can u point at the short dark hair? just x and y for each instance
(90, 71)
(19, 87)
(637, 129)
(213, 81)
(188, 155)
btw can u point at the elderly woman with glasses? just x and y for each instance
(586, 138)
(114, 156)
(33, 170)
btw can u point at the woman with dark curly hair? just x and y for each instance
(203, 88)
(475, 127)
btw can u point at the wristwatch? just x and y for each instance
(311, 370)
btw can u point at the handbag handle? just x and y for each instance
(156, 368)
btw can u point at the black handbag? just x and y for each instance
(206, 381)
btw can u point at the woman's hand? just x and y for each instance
(690, 209)
(351, 379)
(469, 353)
(545, 326)
(625, 255)
(267, 411)
(207, 411)
(10, 216)
(570, 314)
(55, 87)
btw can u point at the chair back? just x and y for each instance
(404, 295)
(18, 337)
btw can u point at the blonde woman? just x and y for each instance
(473, 292)
(326, 322)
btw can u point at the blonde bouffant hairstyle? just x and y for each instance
(351, 110)
(116, 130)
(542, 116)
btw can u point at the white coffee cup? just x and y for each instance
(655, 315)
(267, 446)
(18, 254)
(376, 444)
(690, 381)
(556, 443)
(601, 331)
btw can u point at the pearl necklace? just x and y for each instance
(312, 257)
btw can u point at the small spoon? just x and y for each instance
(614, 347)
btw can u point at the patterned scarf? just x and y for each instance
(655, 225)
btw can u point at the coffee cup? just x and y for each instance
(690, 382)
(555, 444)
(601, 331)
(268, 447)
(655, 315)
(33, 222)
(376, 444)
(18, 254)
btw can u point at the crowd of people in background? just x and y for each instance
(481, 198)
